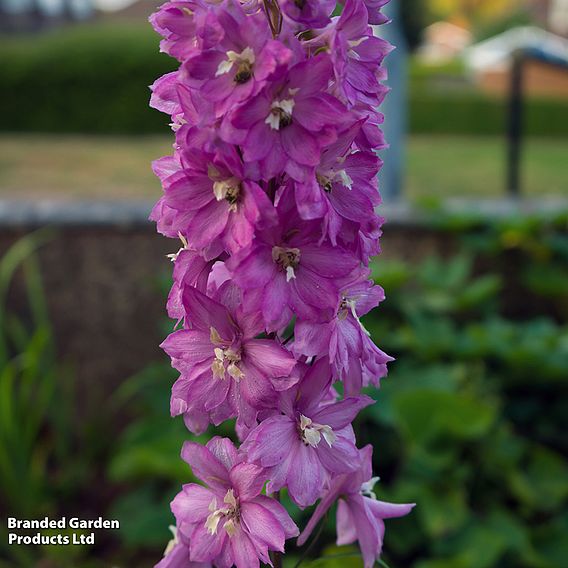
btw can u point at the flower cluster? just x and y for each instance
(272, 189)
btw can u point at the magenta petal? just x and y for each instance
(384, 510)
(346, 533)
(191, 505)
(280, 513)
(203, 546)
(271, 442)
(247, 479)
(245, 554)
(205, 465)
(327, 261)
(253, 111)
(342, 413)
(368, 535)
(305, 483)
(341, 457)
(204, 313)
(313, 113)
(190, 345)
(224, 450)
(263, 526)
(312, 338)
(260, 142)
(269, 358)
(300, 145)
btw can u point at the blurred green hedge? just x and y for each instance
(83, 79)
(475, 114)
(94, 78)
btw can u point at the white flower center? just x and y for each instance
(326, 181)
(345, 179)
(288, 260)
(244, 62)
(229, 190)
(281, 112)
(311, 433)
(367, 488)
(173, 256)
(226, 359)
(230, 512)
(173, 542)
(349, 305)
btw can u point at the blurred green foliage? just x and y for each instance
(36, 410)
(52, 441)
(93, 78)
(470, 423)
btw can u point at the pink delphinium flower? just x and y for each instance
(240, 64)
(286, 272)
(360, 516)
(285, 126)
(230, 522)
(355, 359)
(226, 372)
(343, 188)
(214, 202)
(309, 441)
(186, 26)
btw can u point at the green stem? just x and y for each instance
(312, 543)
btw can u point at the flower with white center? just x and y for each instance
(229, 190)
(280, 113)
(311, 433)
(350, 305)
(244, 62)
(288, 259)
(326, 181)
(226, 359)
(345, 179)
(230, 512)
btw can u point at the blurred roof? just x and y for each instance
(496, 52)
(137, 11)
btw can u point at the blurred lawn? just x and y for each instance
(451, 166)
(77, 166)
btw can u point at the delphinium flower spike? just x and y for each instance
(272, 190)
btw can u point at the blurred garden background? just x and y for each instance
(471, 422)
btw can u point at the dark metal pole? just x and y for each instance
(515, 126)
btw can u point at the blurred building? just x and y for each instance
(136, 11)
(546, 68)
(33, 15)
(552, 14)
(444, 41)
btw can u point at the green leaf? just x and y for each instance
(426, 414)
